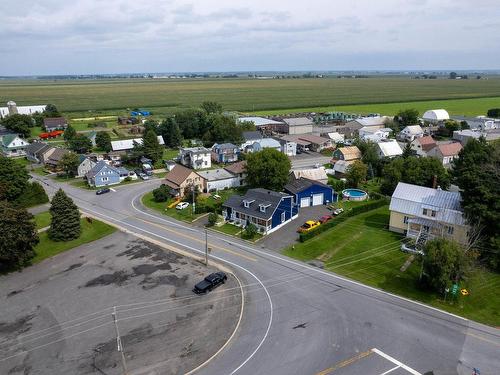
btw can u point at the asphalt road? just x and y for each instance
(301, 320)
(309, 160)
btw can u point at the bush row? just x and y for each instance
(303, 237)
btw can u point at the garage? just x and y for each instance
(305, 202)
(317, 199)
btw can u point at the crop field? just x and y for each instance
(379, 94)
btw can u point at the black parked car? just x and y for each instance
(102, 191)
(210, 282)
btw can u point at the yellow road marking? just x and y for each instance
(482, 338)
(196, 239)
(346, 362)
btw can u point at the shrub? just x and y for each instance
(250, 231)
(33, 195)
(127, 179)
(212, 219)
(161, 194)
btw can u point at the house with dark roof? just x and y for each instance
(308, 192)
(267, 210)
(238, 169)
(55, 123)
(12, 145)
(225, 153)
(181, 180)
(55, 157)
(103, 174)
(38, 151)
(85, 166)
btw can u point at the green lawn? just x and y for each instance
(228, 229)
(169, 154)
(42, 219)
(40, 171)
(47, 248)
(362, 249)
(183, 215)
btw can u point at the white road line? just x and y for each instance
(391, 370)
(395, 361)
(271, 308)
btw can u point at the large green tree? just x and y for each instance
(19, 124)
(268, 169)
(211, 107)
(69, 163)
(103, 141)
(51, 111)
(407, 117)
(151, 148)
(477, 172)
(494, 112)
(356, 173)
(65, 224)
(170, 132)
(13, 179)
(17, 237)
(445, 263)
(80, 143)
(69, 133)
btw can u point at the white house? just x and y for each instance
(128, 144)
(12, 145)
(409, 133)
(86, 164)
(336, 137)
(435, 116)
(195, 157)
(422, 145)
(445, 152)
(374, 134)
(218, 179)
(389, 148)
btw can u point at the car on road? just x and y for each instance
(308, 226)
(210, 282)
(337, 211)
(325, 219)
(182, 206)
(102, 191)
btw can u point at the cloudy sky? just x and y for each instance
(113, 36)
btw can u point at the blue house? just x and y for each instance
(266, 209)
(308, 192)
(103, 174)
(225, 153)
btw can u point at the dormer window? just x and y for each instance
(248, 202)
(263, 207)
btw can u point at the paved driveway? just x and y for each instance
(288, 235)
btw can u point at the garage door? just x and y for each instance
(317, 199)
(305, 202)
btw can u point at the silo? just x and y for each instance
(12, 107)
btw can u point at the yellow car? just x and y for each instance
(308, 226)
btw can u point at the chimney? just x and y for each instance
(434, 181)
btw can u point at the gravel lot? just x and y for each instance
(55, 317)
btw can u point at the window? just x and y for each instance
(433, 213)
(425, 211)
(104, 179)
(283, 217)
(405, 219)
(450, 229)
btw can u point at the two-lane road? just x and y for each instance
(303, 320)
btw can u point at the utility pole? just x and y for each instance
(206, 247)
(193, 204)
(119, 341)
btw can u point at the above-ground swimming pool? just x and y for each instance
(354, 194)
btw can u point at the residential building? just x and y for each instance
(266, 125)
(422, 145)
(463, 136)
(352, 127)
(195, 157)
(85, 166)
(125, 173)
(445, 152)
(409, 133)
(289, 148)
(238, 169)
(4, 131)
(225, 153)
(38, 151)
(53, 159)
(436, 116)
(115, 157)
(267, 210)
(128, 144)
(298, 125)
(341, 166)
(309, 141)
(349, 153)
(374, 134)
(425, 213)
(181, 180)
(12, 145)
(169, 165)
(479, 122)
(250, 137)
(103, 174)
(218, 179)
(314, 174)
(307, 192)
(389, 148)
(55, 123)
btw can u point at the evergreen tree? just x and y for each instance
(13, 179)
(65, 223)
(407, 151)
(17, 237)
(175, 136)
(151, 147)
(103, 141)
(69, 133)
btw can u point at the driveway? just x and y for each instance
(287, 235)
(55, 317)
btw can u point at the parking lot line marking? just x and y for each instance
(345, 363)
(391, 370)
(395, 361)
(196, 239)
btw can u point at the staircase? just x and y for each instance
(421, 239)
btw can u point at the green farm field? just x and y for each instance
(377, 94)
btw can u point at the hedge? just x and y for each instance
(33, 195)
(303, 237)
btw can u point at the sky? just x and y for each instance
(118, 36)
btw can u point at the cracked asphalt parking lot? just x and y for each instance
(55, 317)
